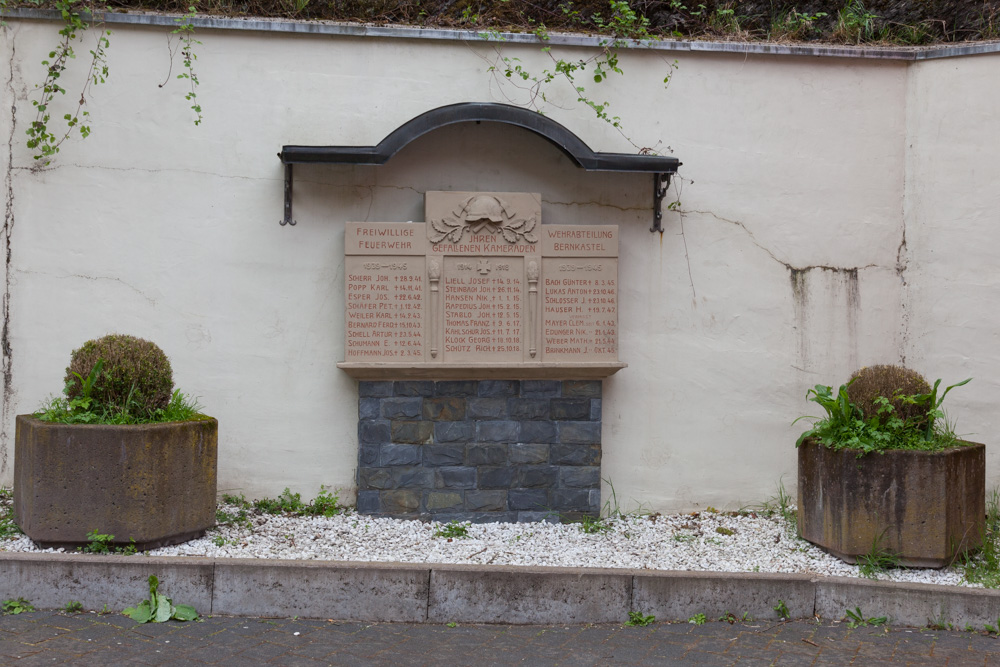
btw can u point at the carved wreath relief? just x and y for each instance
(484, 213)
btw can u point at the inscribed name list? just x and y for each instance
(481, 282)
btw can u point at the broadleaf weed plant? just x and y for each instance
(846, 427)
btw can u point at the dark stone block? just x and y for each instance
(535, 477)
(414, 477)
(582, 388)
(477, 454)
(570, 408)
(578, 433)
(486, 408)
(443, 501)
(444, 455)
(528, 408)
(413, 388)
(537, 517)
(369, 408)
(369, 455)
(575, 455)
(570, 500)
(489, 388)
(405, 501)
(541, 431)
(368, 502)
(528, 499)
(486, 501)
(595, 409)
(524, 453)
(446, 408)
(399, 455)
(375, 478)
(476, 517)
(540, 388)
(498, 431)
(367, 388)
(595, 500)
(412, 432)
(455, 388)
(454, 431)
(580, 477)
(455, 478)
(401, 408)
(495, 477)
(374, 432)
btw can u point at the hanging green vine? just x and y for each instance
(46, 136)
(625, 28)
(43, 138)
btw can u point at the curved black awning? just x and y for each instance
(572, 146)
(558, 135)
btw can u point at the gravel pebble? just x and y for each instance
(760, 542)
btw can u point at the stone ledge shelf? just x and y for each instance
(465, 371)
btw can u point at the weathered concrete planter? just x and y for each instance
(153, 483)
(927, 507)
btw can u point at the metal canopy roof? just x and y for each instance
(467, 112)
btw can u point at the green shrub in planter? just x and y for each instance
(119, 379)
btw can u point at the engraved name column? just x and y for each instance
(386, 284)
(580, 292)
(487, 244)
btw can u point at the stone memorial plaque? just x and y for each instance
(481, 289)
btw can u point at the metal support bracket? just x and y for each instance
(288, 220)
(660, 184)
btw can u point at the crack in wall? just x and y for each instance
(8, 228)
(82, 276)
(54, 166)
(798, 276)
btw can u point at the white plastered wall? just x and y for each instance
(784, 267)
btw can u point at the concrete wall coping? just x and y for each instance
(335, 29)
(439, 593)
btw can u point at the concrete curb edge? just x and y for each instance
(439, 593)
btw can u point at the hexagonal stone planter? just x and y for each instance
(926, 507)
(152, 483)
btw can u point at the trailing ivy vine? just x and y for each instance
(624, 27)
(45, 135)
(44, 139)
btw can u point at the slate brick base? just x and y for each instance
(480, 450)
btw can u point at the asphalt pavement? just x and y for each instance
(58, 638)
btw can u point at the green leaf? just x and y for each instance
(164, 610)
(185, 612)
(140, 614)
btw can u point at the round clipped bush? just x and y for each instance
(136, 374)
(871, 382)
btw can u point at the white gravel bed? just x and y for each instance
(760, 542)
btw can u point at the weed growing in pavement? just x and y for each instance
(983, 566)
(637, 619)
(731, 618)
(877, 560)
(698, 619)
(159, 608)
(16, 606)
(103, 544)
(453, 529)
(453, 624)
(856, 619)
(73, 607)
(782, 610)
(7, 526)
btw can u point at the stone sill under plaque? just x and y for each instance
(367, 370)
